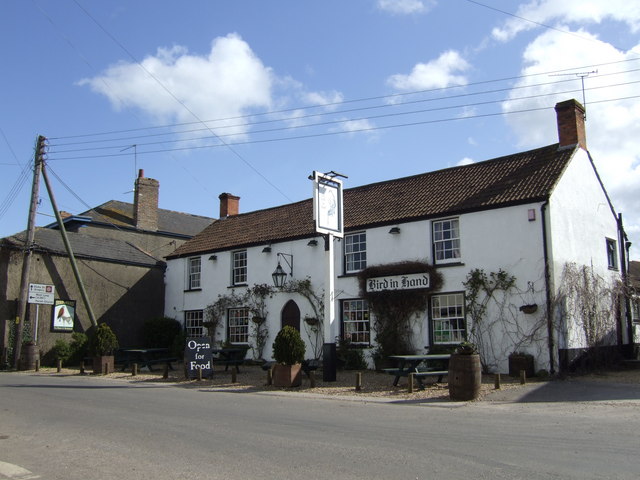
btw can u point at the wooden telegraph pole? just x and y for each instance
(28, 247)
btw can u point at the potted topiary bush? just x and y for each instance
(465, 373)
(288, 352)
(103, 344)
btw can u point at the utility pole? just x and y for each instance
(28, 247)
(72, 258)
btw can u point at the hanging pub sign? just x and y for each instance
(64, 314)
(327, 203)
(198, 355)
(411, 281)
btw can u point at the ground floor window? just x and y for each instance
(356, 324)
(635, 309)
(447, 318)
(193, 323)
(238, 325)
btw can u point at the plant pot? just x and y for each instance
(287, 375)
(465, 377)
(258, 320)
(311, 321)
(103, 364)
(521, 362)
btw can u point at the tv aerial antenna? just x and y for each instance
(582, 76)
(135, 157)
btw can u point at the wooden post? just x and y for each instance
(106, 368)
(165, 373)
(497, 381)
(523, 377)
(411, 377)
(81, 367)
(134, 369)
(270, 376)
(358, 381)
(312, 379)
(199, 374)
(58, 366)
(234, 374)
(38, 365)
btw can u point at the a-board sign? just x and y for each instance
(198, 356)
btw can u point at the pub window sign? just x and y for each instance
(64, 315)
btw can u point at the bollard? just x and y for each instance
(523, 377)
(411, 377)
(165, 373)
(106, 368)
(58, 366)
(358, 381)
(134, 369)
(497, 381)
(199, 374)
(82, 367)
(270, 376)
(312, 379)
(234, 374)
(37, 365)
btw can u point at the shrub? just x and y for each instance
(103, 341)
(79, 344)
(178, 345)
(62, 350)
(288, 347)
(160, 332)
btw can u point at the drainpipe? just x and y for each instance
(622, 242)
(547, 288)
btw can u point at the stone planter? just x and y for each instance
(287, 375)
(521, 362)
(465, 377)
(103, 364)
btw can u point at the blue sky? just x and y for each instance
(249, 97)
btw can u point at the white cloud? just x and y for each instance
(579, 12)
(229, 81)
(406, 7)
(438, 73)
(465, 161)
(613, 122)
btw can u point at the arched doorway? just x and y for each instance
(290, 315)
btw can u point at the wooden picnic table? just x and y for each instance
(145, 357)
(419, 366)
(230, 356)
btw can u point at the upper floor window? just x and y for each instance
(447, 318)
(446, 239)
(356, 323)
(239, 267)
(193, 278)
(612, 254)
(355, 252)
(238, 325)
(193, 323)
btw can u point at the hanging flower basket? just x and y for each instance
(258, 320)
(311, 321)
(532, 308)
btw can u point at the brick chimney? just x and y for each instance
(570, 115)
(229, 205)
(145, 203)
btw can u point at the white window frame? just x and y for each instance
(448, 319)
(634, 303)
(239, 267)
(238, 326)
(356, 322)
(193, 323)
(194, 273)
(612, 254)
(355, 252)
(446, 240)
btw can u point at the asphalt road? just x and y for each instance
(55, 427)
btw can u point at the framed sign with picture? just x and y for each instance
(64, 315)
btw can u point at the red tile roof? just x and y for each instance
(514, 179)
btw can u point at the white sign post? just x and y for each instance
(41, 294)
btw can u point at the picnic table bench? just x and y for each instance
(418, 365)
(230, 356)
(145, 357)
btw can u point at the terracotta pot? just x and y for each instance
(465, 377)
(287, 375)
